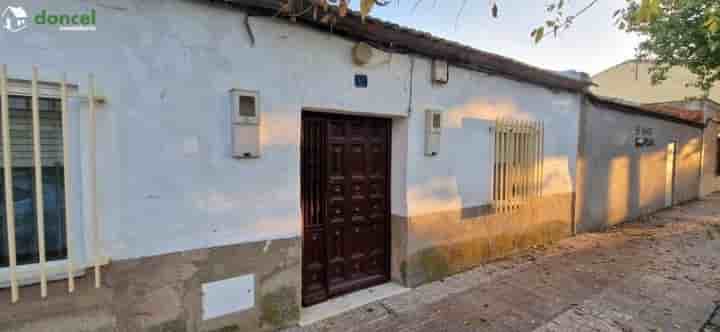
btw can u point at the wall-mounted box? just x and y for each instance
(440, 71)
(245, 123)
(223, 297)
(433, 132)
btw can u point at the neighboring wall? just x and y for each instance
(618, 181)
(631, 81)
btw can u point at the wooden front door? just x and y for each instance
(345, 165)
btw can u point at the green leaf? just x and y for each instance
(538, 34)
(649, 10)
(712, 24)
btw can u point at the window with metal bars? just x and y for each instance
(518, 163)
(36, 184)
(23, 175)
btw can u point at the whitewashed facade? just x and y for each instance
(166, 181)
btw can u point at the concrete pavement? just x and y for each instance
(660, 273)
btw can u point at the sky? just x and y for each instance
(591, 45)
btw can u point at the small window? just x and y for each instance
(518, 163)
(51, 154)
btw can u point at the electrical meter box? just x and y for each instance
(433, 131)
(245, 127)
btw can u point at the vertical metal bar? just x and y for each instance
(37, 161)
(513, 160)
(92, 172)
(498, 161)
(7, 174)
(498, 158)
(530, 159)
(501, 151)
(538, 157)
(535, 158)
(506, 162)
(516, 163)
(523, 162)
(520, 163)
(513, 163)
(67, 183)
(496, 173)
(542, 156)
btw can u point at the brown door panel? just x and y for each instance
(344, 181)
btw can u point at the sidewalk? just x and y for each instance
(661, 273)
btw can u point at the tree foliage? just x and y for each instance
(677, 33)
(681, 33)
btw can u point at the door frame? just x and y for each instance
(330, 113)
(670, 169)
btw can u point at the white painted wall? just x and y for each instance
(166, 179)
(621, 181)
(461, 175)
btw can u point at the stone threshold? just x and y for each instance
(348, 302)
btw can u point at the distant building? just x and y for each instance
(631, 81)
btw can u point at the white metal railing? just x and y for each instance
(518, 163)
(98, 260)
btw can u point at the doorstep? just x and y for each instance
(349, 302)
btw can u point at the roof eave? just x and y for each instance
(626, 107)
(396, 37)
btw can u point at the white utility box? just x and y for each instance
(245, 120)
(433, 131)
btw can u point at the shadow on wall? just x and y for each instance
(461, 176)
(622, 182)
(451, 226)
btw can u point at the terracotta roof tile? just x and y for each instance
(660, 111)
(677, 112)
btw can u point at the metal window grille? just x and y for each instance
(518, 163)
(37, 161)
